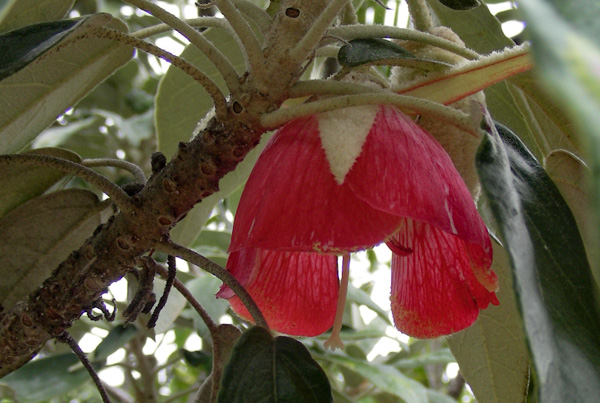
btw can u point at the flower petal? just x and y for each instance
(293, 202)
(434, 289)
(296, 292)
(404, 171)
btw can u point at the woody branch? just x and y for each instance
(192, 174)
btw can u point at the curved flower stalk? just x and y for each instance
(344, 181)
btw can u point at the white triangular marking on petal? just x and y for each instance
(343, 133)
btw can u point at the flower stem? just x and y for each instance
(211, 267)
(116, 194)
(334, 341)
(188, 68)
(420, 14)
(196, 38)
(416, 105)
(136, 171)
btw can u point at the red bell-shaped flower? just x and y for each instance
(345, 181)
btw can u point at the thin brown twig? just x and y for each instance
(211, 267)
(68, 339)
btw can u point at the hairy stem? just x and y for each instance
(136, 171)
(312, 38)
(255, 13)
(196, 38)
(420, 14)
(415, 105)
(204, 22)
(251, 46)
(211, 88)
(116, 194)
(210, 324)
(217, 271)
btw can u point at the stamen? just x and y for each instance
(398, 249)
(334, 341)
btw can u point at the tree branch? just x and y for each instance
(192, 174)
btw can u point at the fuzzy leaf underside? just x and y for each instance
(552, 277)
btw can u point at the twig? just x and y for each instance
(255, 13)
(211, 267)
(211, 88)
(136, 171)
(116, 194)
(172, 272)
(420, 14)
(416, 105)
(251, 46)
(196, 38)
(208, 22)
(210, 324)
(314, 35)
(66, 338)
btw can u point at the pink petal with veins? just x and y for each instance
(296, 292)
(404, 171)
(434, 289)
(292, 201)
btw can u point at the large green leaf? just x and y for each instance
(267, 369)
(571, 176)
(114, 340)
(204, 289)
(551, 273)
(18, 13)
(51, 73)
(43, 379)
(41, 233)
(564, 36)
(384, 377)
(493, 353)
(20, 183)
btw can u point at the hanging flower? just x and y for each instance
(344, 181)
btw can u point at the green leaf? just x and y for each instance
(569, 60)
(20, 183)
(492, 353)
(45, 378)
(267, 369)
(361, 51)
(113, 341)
(384, 377)
(461, 4)
(571, 175)
(24, 45)
(58, 76)
(552, 278)
(181, 102)
(33, 241)
(18, 13)
(360, 297)
(204, 289)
